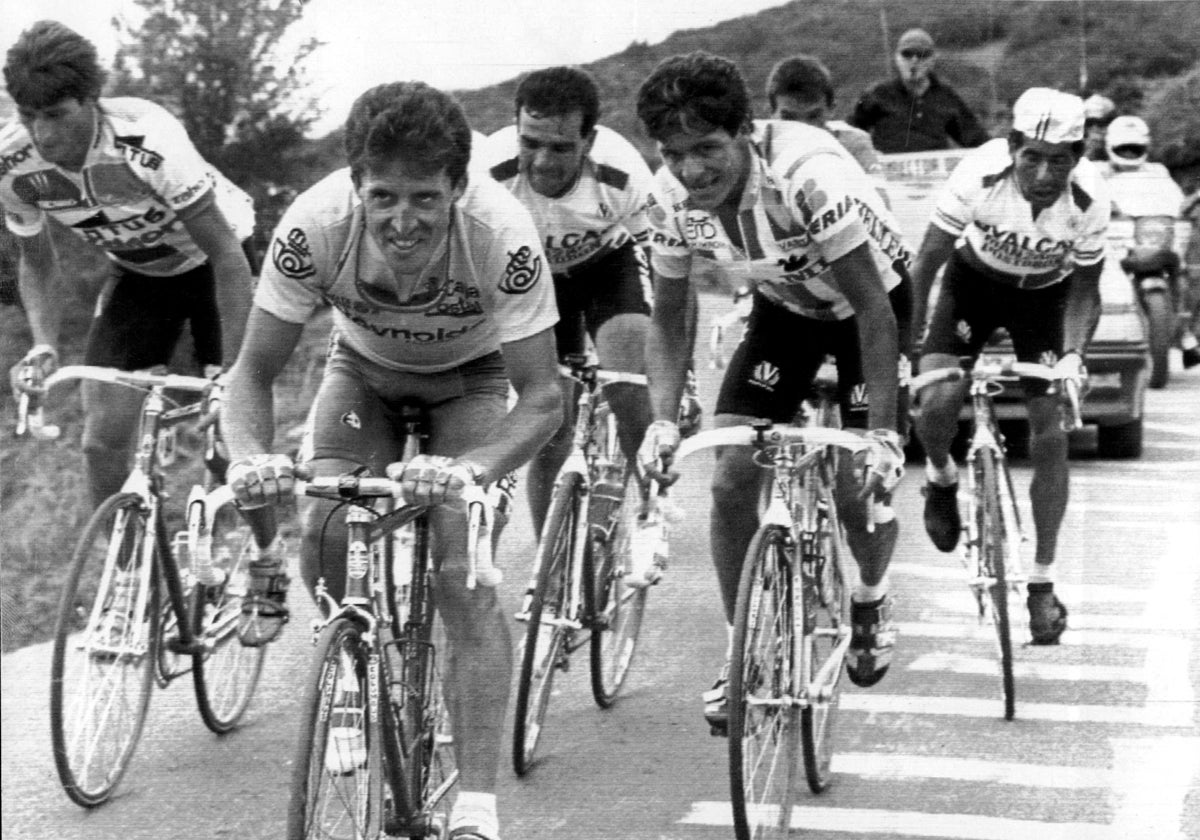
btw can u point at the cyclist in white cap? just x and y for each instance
(1020, 229)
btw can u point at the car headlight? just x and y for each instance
(1154, 231)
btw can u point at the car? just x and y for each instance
(1117, 359)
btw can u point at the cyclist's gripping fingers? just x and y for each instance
(885, 463)
(262, 480)
(433, 479)
(27, 375)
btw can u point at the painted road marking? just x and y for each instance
(957, 664)
(1153, 778)
(962, 603)
(1168, 715)
(974, 632)
(894, 766)
(1189, 429)
(1087, 593)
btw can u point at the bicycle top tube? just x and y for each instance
(132, 378)
(774, 435)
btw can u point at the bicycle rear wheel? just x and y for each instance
(547, 636)
(226, 674)
(338, 787)
(992, 546)
(826, 605)
(102, 671)
(616, 610)
(764, 717)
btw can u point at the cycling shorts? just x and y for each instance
(357, 411)
(772, 370)
(970, 307)
(140, 319)
(616, 284)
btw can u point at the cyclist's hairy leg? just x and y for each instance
(319, 530)
(1049, 489)
(545, 465)
(872, 549)
(735, 491)
(110, 425)
(620, 346)
(478, 665)
(937, 418)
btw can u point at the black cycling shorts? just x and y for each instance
(142, 319)
(971, 306)
(616, 284)
(773, 368)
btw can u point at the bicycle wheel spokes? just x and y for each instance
(826, 598)
(615, 608)
(226, 675)
(764, 736)
(103, 664)
(546, 645)
(992, 547)
(338, 790)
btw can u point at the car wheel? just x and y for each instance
(1124, 441)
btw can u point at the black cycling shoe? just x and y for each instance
(872, 641)
(1047, 614)
(942, 521)
(716, 704)
(1191, 357)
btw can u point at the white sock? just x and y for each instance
(1042, 573)
(864, 594)
(943, 477)
(1189, 340)
(473, 808)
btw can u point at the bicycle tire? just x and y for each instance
(615, 610)
(338, 787)
(761, 690)
(825, 599)
(226, 674)
(992, 547)
(100, 688)
(546, 636)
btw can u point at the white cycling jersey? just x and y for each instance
(982, 205)
(1148, 190)
(806, 204)
(141, 177)
(604, 210)
(485, 286)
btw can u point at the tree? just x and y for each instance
(225, 69)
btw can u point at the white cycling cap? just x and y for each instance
(1098, 107)
(1127, 131)
(1049, 115)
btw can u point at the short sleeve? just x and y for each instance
(953, 210)
(826, 190)
(290, 287)
(515, 267)
(178, 174)
(21, 218)
(670, 255)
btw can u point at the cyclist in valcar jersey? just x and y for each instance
(122, 175)
(587, 189)
(442, 297)
(783, 207)
(1020, 228)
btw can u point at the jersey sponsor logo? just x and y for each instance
(132, 234)
(49, 189)
(700, 228)
(114, 184)
(12, 159)
(1020, 251)
(351, 419)
(884, 237)
(810, 199)
(187, 195)
(830, 217)
(765, 375)
(858, 396)
(963, 330)
(572, 247)
(603, 210)
(131, 146)
(292, 256)
(522, 272)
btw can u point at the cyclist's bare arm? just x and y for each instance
(668, 346)
(878, 339)
(248, 416)
(1082, 312)
(231, 273)
(936, 249)
(39, 281)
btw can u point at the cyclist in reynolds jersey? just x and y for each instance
(120, 174)
(587, 189)
(441, 297)
(784, 208)
(1020, 228)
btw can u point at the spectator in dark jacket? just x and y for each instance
(916, 111)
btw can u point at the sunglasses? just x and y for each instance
(911, 54)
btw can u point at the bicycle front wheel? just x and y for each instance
(102, 671)
(226, 674)
(764, 714)
(826, 605)
(338, 788)
(992, 546)
(547, 635)
(616, 610)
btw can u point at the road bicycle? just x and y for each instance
(140, 607)
(577, 594)
(376, 756)
(791, 625)
(992, 530)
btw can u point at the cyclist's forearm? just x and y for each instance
(1082, 312)
(233, 290)
(936, 249)
(37, 280)
(532, 421)
(878, 344)
(247, 417)
(668, 346)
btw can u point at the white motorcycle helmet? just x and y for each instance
(1127, 142)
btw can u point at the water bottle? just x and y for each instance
(403, 550)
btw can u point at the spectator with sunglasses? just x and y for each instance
(1098, 112)
(916, 111)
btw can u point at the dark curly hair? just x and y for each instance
(801, 76)
(697, 93)
(557, 91)
(49, 63)
(412, 122)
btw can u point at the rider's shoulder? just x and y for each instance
(132, 114)
(487, 208)
(616, 158)
(496, 154)
(326, 205)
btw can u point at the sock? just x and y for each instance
(943, 477)
(1042, 574)
(864, 594)
(1189, 340)
(473, 808)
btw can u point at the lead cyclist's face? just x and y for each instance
(1043, 170)
(61, 132)
(713, 167)
(551, 150)
(407, 212)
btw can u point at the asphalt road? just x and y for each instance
(1106, 745)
